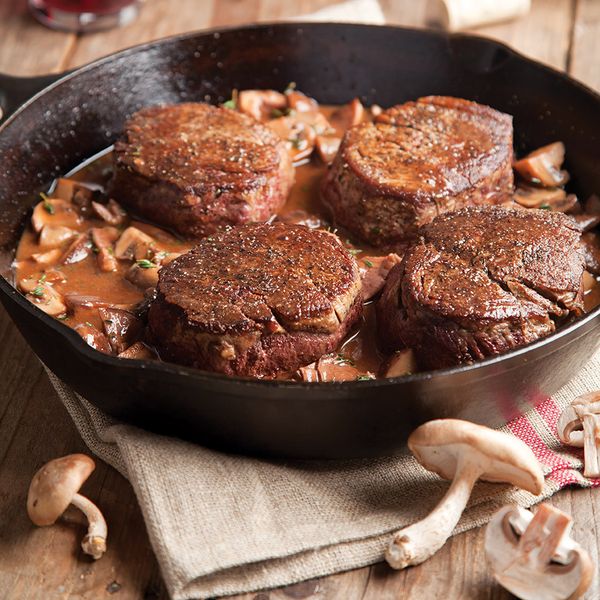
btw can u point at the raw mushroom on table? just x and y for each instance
(463, 452)
(533, 555)
(579, 426)
(55, 486)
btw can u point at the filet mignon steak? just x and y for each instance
(256, 299)
(418, 160)
(195, 168)
(481, 281)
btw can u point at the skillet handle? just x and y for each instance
(14, 91)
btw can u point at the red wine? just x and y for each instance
(98, 7)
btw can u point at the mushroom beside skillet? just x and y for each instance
(579, 425)
(534, 557)
(55, 486)
(463, 452)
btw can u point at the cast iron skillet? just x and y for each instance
(83, 112)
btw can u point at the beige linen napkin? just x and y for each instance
(221, 524)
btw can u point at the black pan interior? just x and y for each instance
(83, 113)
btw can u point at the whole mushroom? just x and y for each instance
(463, 452)
(534, 557)
(579, 425)
(55, 486)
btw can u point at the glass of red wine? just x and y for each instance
(84, 15)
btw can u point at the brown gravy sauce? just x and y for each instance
(84, 278)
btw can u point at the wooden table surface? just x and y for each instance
(34, 427)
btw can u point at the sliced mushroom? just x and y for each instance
(592, 205)
(54, 236)
(143, 273)
(463, 452)
(374, 271)
(534, 197)
(298, 136)
(121, 327)
(591, 291)
(262, 104)
(569, 205)
(534, 557)
(301, 217)
(589, 282)
(55, 486)
(55, 276)
(47, 258)
(309, 373)
(327, 147)
(94, 338)
(137, 351)
(80, 249)
(41, 293)
(331, 367)
(591, 250)
(543, 165)
(103, 238)
(69, 189)
(400, 363)
(299, 102)
(579, 425)
(300, 131)
(586, 221)
(75, 301)
(134, 244)
(54, 212)
(112, 212)
(347, 116)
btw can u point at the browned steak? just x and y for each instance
(195, 168)
(256, 299)
(418, 160)
(481, 281)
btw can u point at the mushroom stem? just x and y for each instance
(416, 543)
(591, 444)
(94, 543)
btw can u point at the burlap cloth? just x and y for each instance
(222, 524)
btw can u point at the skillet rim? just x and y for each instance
(108, 361)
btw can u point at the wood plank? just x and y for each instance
(585, 49)
(28, 48)
(47, 562)
(544, 34)
(157, 19)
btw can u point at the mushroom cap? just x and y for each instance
(444, 444)
(570, 422)
(54, 485)
(526, 566)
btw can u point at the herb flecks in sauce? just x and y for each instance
(85, 288)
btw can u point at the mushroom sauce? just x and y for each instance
(92, 265)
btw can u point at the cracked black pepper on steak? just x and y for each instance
(418, 160)
(481, 281)
(196, 168)
(256, 300)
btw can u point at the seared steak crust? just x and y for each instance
(418, 160)
(195, 168)
(256, 299)
(481, 281)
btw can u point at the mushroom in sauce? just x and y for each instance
(543, 166)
